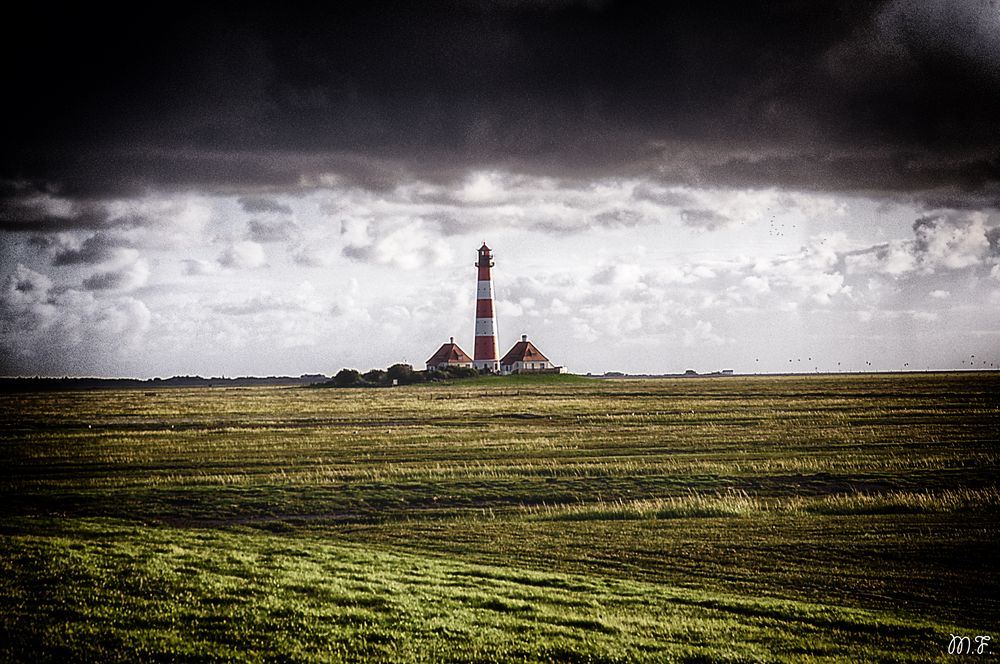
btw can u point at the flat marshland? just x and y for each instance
(737, 519)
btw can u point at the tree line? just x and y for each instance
(397, 374)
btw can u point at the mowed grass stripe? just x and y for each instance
(114, 591)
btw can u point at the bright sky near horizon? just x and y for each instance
(742, 186)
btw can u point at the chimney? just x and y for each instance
(451, 340)
(524, 337)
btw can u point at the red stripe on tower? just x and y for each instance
(485, 355)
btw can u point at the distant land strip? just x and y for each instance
(64, 384)
(39, 384)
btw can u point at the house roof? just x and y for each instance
(523, 351)
(449, 352)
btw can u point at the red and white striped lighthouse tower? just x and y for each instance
(485, 355)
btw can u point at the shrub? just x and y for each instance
(347, 378)
(459, 372)
(375, 377)
(402, 373)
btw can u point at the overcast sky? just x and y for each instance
(254, 190)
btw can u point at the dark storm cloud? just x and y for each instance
(884, 97)
(709, 220)
(107, 280)
(97, 248)
(254, 306)
(902, 172)
(362, 254)
(993, 237)
(261, 230)
(29, 216)
(259, 204)
(619, 218)
(30, 212)
(447, 224)
(647, 192)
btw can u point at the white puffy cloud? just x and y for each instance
(702, 333)
(168, 222)
(506, 308)
(243, 255)
(483, 188)
(617, 273)
(811, 274)
(108, 257)
(950, 242)
(894, 259)
(940, 242)
(304, 298)
(408, 244)
(199, 267)
(48, 328)
(314, 255)
(294, 319)
(756, 284)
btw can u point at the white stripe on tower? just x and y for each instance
(486, 355)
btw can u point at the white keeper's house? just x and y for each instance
(447, 356)
(525, 358)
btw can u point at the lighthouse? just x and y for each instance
(486, 355)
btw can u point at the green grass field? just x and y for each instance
(562, 519)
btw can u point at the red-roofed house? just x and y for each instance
(449, 355)
(525, 358)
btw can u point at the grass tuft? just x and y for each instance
(739, 503)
